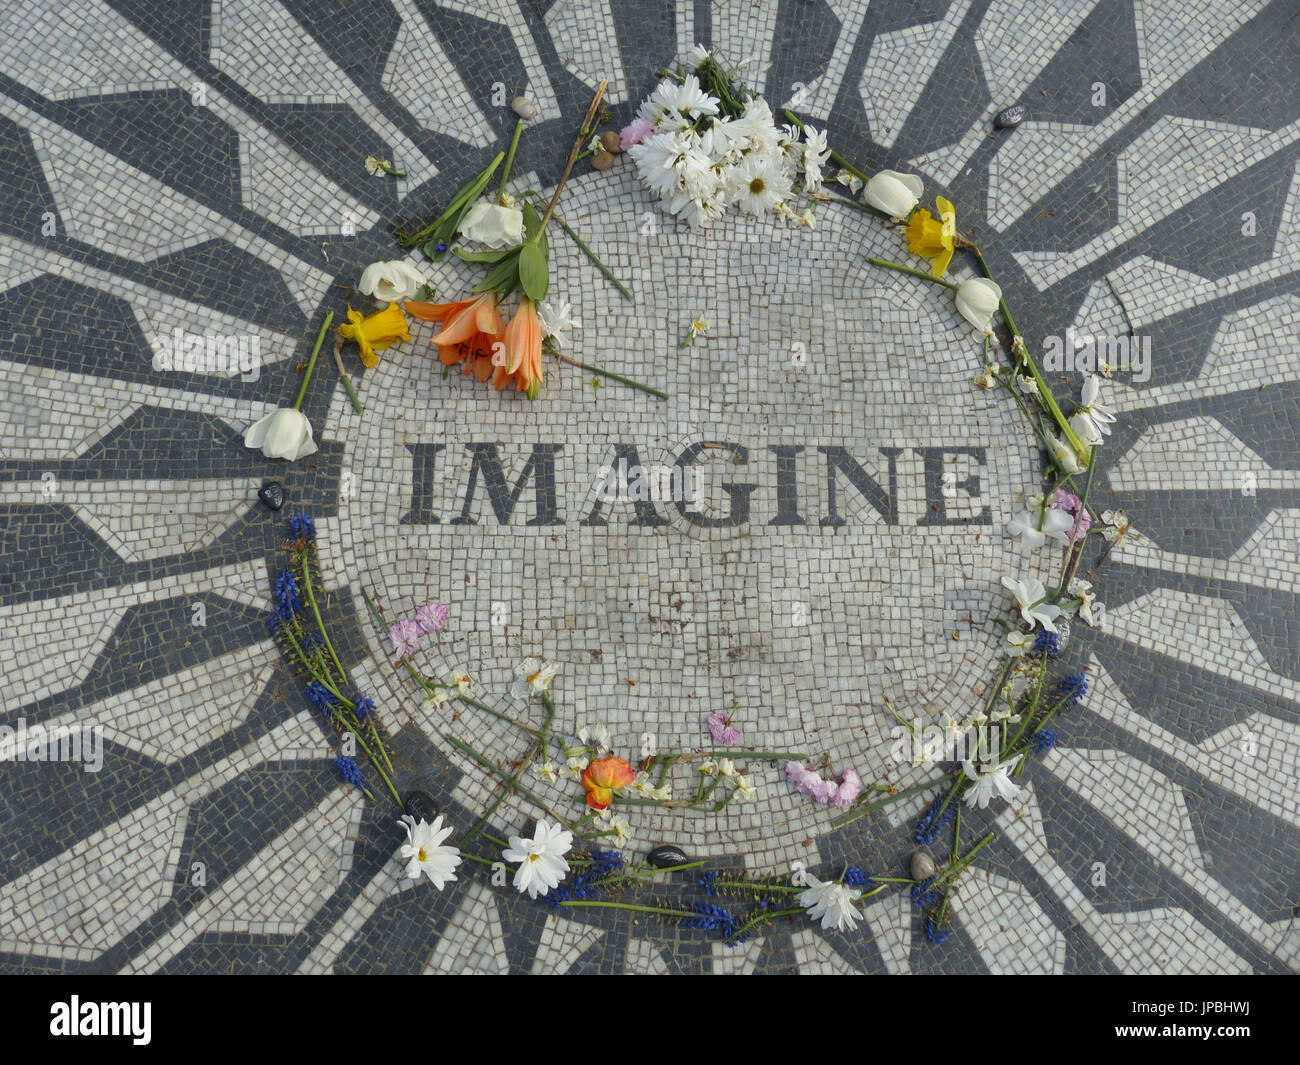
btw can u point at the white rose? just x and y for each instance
(282, 434)
(977, 302)
(894, 193)
(494, 225)
(391, 282)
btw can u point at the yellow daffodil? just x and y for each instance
(934, 238)
(375, 332)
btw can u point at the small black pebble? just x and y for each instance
(272, 494)
(419, 804)
(1010, 117)
(666, 855)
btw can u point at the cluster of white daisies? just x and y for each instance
(701, 161)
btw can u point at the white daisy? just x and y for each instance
(757, 186)
(424, 852)
(541, 859)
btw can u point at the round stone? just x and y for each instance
(601, 159)
(420, 805)
(272, 494)
(523, 107)
(817, 507)
(609, 140)
(922, 866)
(1010, 117)
(665, 856)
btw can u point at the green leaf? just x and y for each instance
(532, 221)
(533, 274)
(503, 277)
(482, 256)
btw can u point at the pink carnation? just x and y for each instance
(826, 792)
(405, 635)
(634, 132)
(432, 617)
(722, 730)
(1073, 505)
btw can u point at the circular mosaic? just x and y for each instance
(805, 534)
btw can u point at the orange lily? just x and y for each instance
(375, 332)
(472, 331)
(524, 349)
(603, 777)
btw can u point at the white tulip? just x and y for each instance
(391, 282)
(977, 302)
(494, 225)
(894, 193)
(282, 434)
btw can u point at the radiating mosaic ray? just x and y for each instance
(88, 50)
(83, 901)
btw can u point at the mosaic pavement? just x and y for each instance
(196, 166)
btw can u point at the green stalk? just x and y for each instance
(311, 363)
(501, 774)
(915, 273)
(510, 157)
(871, 807)
(605, 270)
(1080, 449)
(612, 376)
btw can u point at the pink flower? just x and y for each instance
(635, 132)
(405, 635)
(722, 730)
(826, 792)
(432, 617)
(850, 788)
(1073, 505)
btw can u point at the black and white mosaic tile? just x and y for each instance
(198, 166)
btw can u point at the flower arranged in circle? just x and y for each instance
(523, 352)
(990, 778)
(722, 730)
(425, 852)
(375, 332)
(603, 777)
(396, 280)
(494, 225)
(472, 332)
(832, 903)
(978, 299)
(893, 193)
(432, 617)
(934, 238)
(1031, 599)
(533, 676)
(282, 434)
(541, 859)
(405, 637)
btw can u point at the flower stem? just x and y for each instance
(347, 382)
(501, 774)
(573, 152)
(605, 270)
(1080, 449)
(871, 807)
(612, 376)
(510, 157)
(311, 363)
(916, 273)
